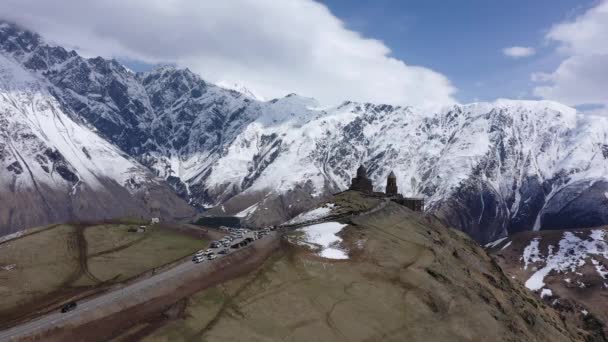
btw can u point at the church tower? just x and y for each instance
(391, 185)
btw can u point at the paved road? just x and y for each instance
(58, 319)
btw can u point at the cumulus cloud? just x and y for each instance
(273, 47)
(582, 77)
(519, 51)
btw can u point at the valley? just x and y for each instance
(42, 271)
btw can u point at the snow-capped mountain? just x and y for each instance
(241, 88)
(485, 168)
(54, 169)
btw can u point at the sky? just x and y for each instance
(406, 52)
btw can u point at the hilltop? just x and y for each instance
(406, 277)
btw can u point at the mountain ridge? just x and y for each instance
(488, 169)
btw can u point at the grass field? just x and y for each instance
(134, 253)
(53, 265)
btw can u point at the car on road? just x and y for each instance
(68, 307)
(212, 256)
(223, 251)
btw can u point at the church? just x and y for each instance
(363, 184)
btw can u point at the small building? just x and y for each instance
(155, 213)
(361, 182)
(415, 204)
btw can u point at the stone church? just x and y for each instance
(363, 184)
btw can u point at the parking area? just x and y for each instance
(235, 239)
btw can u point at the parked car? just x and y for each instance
(215, 244)
(223, 251)
(68, 307)
(212, 256)
(198, 259)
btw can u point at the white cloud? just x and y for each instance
(519, 51)
(578, 80)
(582, 77)
(274, 47)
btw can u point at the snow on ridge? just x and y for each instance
(495, 242)
(572, 253)
(247, 211)
(241, 88)
(314, 214)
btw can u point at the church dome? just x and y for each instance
(361, 172)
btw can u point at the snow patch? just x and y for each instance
(571, 254)
(546, 293)
(313, 214)
(323, 236)
(247, 211)
(507, 245)
(531, 253)
(495, 243)
(8, 267)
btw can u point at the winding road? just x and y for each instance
(117, 300)
(146, 289)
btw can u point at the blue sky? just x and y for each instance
(464, 39)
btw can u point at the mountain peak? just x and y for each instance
(241, 88)
(15, 39)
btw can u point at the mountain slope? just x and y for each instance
(488, 169)
(568, 269)
(407, 278)
(53, 169)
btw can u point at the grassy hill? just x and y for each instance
(408, 278)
